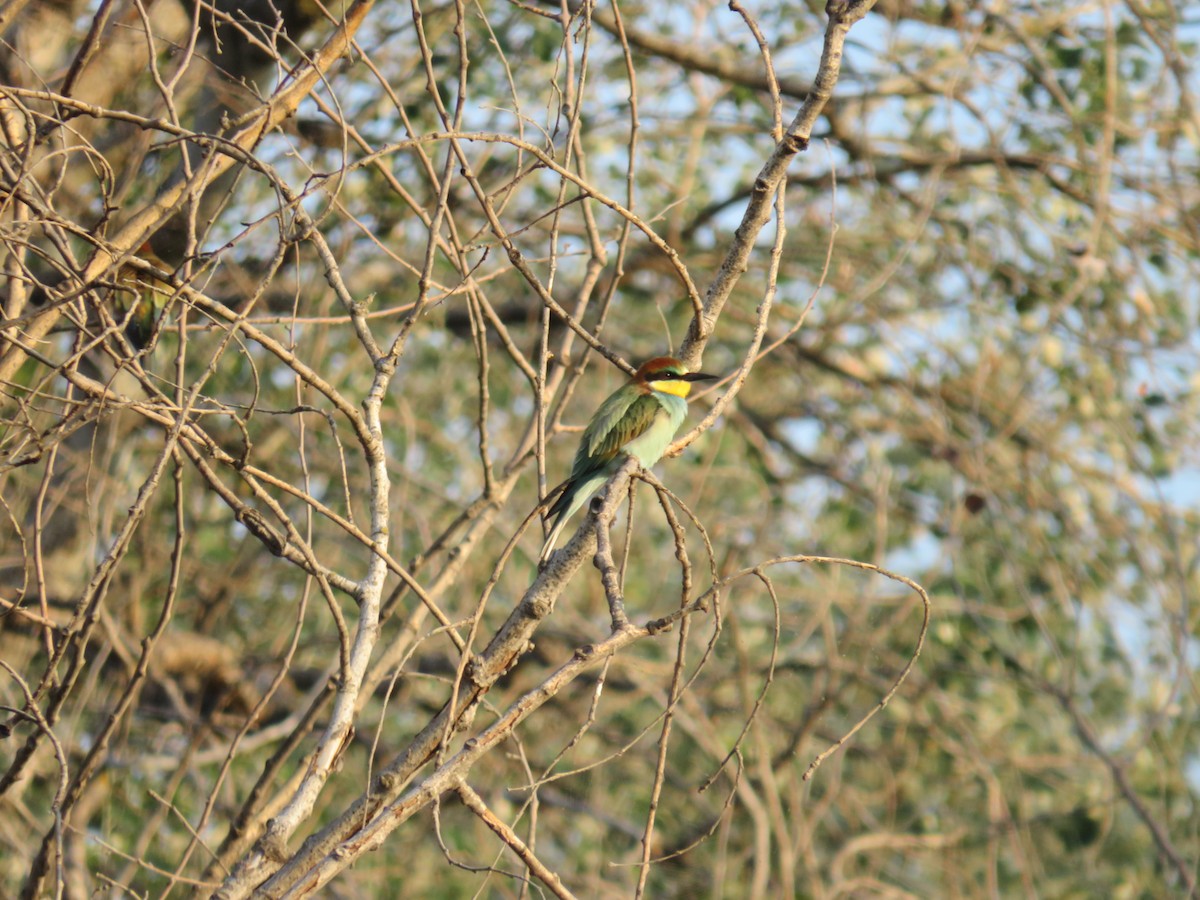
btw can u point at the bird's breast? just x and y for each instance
(649, 446)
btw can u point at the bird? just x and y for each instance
(139, 298)
(639, 419)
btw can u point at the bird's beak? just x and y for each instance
(699, 376)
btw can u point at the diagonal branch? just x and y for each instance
(842, 15)
(148, 219)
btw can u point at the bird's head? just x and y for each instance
(668, 375)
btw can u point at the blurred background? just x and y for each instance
(979, 370)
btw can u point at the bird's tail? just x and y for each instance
(552, 538)
(561, 509)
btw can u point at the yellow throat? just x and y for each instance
(678, 388)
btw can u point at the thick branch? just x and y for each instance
(146, 221)
(327, 848)
(842, 15)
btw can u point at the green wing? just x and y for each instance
(618, 421)
(139, 299)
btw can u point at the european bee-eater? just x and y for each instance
(639, 420)
(140, 298)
